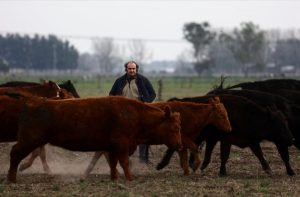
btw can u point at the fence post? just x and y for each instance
(159, 92)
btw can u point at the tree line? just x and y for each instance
(247, 48)
(244, 49)
(38, 52)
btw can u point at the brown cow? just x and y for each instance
(113, 124)
(194, 117)
(10, 109)
(47, 89)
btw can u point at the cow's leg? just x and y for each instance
(194, 150)
(225, 152)
(284, 153)
(183, 161)
(30, 160)
(93, 162)
(166, 159)
(37, 152)
(113, 161)
(43, 159)
(106, 156)
(18, 152)
(210, 145)
(256, 149)
(124, 162)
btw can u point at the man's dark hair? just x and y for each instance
(126, 64)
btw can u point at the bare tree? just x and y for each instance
(139, 51)
(184, 63)
(106, 53)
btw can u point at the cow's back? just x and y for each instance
(94, 122)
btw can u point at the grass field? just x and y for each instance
(175, 86)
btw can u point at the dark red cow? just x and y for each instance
(112, 124)
(47, 89)
(194, 117)
(67, 85)
(10, 110)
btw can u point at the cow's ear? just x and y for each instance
(44, 81)
(51, 83)
(211, 101)
(168, 111)
(217, 99)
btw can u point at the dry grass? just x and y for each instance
(246, 177)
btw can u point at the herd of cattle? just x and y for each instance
(244, 115)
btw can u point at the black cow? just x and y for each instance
(67, 85)
(286, 106)
(288, 84)
(289, 109)
(250, 125)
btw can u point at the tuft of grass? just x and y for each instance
(56, 188)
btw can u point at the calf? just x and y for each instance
(250, 125)
(112, 124)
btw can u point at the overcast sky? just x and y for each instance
(160, 23)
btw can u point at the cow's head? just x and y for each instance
(53, 90)
(168, 131)
(219, 117)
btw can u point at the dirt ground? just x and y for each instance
(245, 176)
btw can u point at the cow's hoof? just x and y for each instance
(196, 166)
(291, 173)
(222, 174)
(269, 172)
(22, 167)
(160, 166)
(202, 173)
(7, 181)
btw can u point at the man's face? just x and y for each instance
(131, 69)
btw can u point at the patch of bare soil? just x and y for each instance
(245, 176)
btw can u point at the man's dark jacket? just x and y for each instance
(146, 91)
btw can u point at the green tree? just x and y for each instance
(200, 36)
(248, 46)
(39, 52)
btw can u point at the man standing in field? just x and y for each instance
(136, 86)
